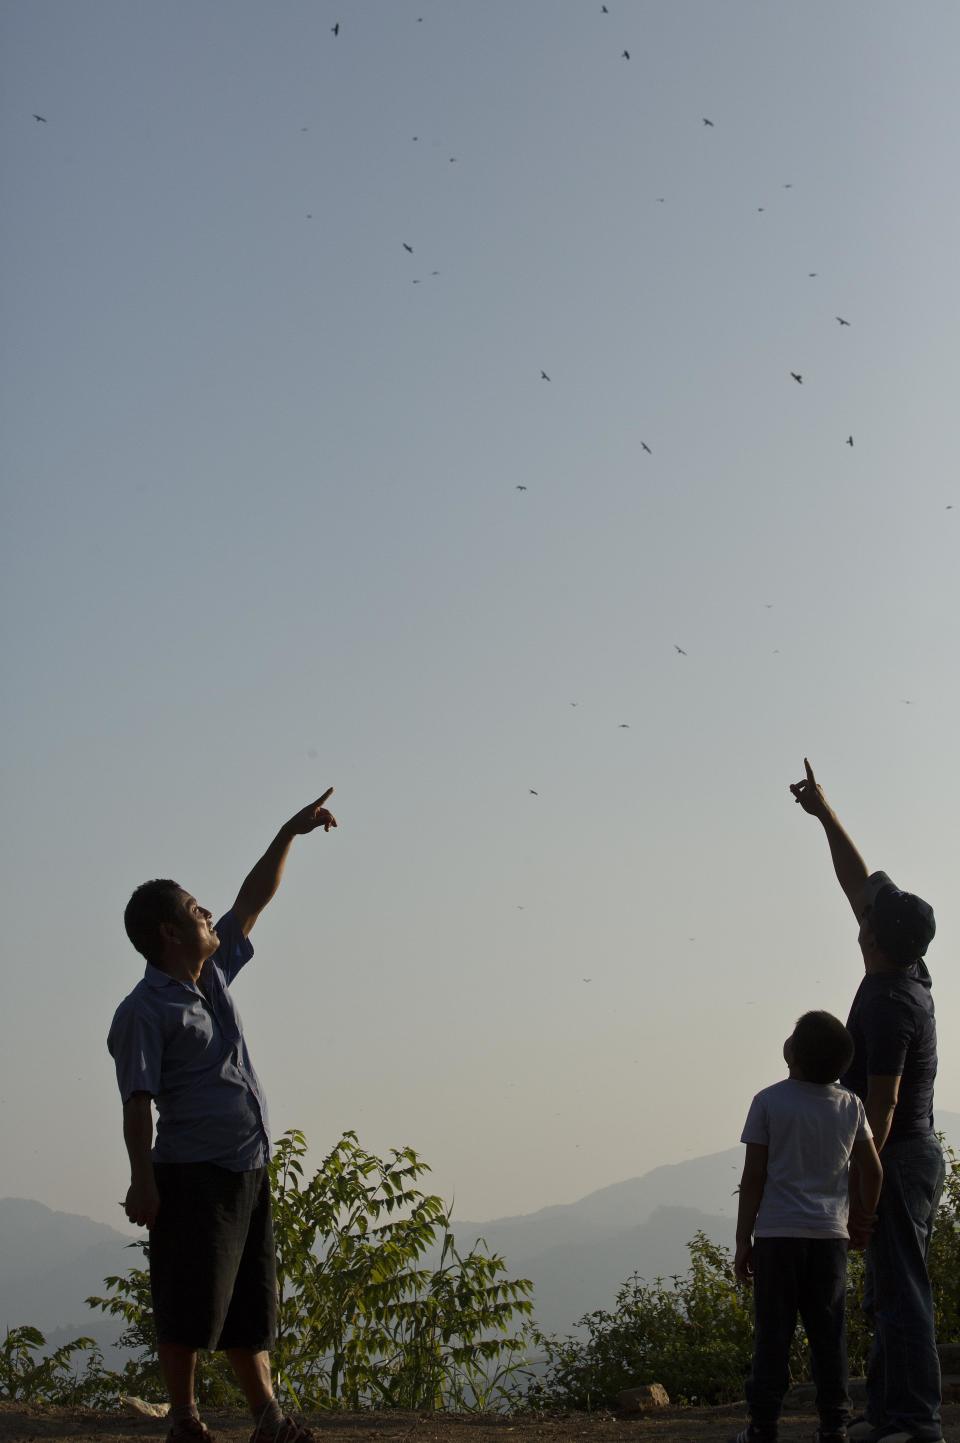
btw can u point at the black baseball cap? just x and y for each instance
(902, 923)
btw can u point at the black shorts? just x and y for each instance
(213, 1266)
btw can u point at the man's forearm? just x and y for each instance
(138, 1136)
(848, 864)
(880, 1118)
(263, 880)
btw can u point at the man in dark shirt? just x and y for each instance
(203, 1187)
(895, 1063)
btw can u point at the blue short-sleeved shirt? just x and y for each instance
(184, 1044)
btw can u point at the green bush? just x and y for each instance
(364, 1320)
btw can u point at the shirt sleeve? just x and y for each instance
(136, 1046)
(864, 1130)
(235, 949)
(756, 1128)
(887, 1028)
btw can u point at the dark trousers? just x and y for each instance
(903, 1376)
(805, 1276)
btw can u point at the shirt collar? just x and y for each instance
(156, 977)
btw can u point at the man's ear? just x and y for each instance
(169, 932)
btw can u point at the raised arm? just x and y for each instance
(264, 879)
(848, 864)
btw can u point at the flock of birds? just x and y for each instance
(797, 376)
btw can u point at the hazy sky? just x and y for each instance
(262, 535)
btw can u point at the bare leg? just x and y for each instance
(253, 1374)
(178, 1364)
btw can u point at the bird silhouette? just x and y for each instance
(626, 55)
(842, 321)
(849, 440)
(812, 275)
(335, 29)
(406, 247)
(544, 376)
(646, 448)
(532, 792)
(679, 649)
(788, 186)
(797, 377)
(623, 726)
(520, 488)
(42, 119)
(706, 121)
(604, 10)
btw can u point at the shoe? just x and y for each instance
(190, 1430)
(290, 1431)
(861, 1430)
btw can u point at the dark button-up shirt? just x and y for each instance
(184, 1045)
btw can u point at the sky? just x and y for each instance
(263, 534)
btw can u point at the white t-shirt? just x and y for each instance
(809, 1129)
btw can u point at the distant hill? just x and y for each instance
(51, 1261)
(577, 1254)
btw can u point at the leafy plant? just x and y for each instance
(27, 1374)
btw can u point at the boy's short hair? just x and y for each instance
(152, 904)
(822, 1047)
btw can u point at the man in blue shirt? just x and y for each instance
(202, 1188)
(894, 1030)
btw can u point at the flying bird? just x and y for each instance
(798, 378)
(842, 321)
(626, 55)
(406, 247)
(788, 186)
(624, 726)
(544, 376)
(604, 10)
(646, 448)
(532, 792)
(706, 121)
(661, 199)
(679, 649)
(520, 488)
(812, 274)
(41, 118)
(849, 440)
(335, 29)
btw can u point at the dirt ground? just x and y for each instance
(21, 1422)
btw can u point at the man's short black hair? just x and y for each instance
(152, 904)
(822, 1047)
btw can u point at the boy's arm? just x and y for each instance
(751, 1191)
(848, 864)
(264, 879)
(142, 1202)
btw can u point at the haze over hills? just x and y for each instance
(577, 1254)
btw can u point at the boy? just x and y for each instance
(792, 1238)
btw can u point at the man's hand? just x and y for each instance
(312, 817)
(860, 1225)
(809, 794)
(743, 1263)
(142, 1202)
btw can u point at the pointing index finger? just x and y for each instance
(320, 801)
(810, 777)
